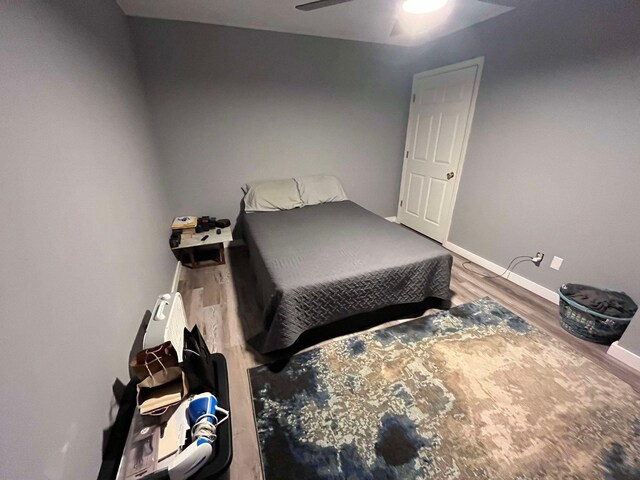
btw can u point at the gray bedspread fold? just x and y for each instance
(326, 262)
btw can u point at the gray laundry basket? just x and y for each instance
(584, 323)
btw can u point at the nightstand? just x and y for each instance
(194, 252)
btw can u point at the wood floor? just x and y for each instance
(221, 301)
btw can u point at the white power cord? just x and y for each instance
(526, 258)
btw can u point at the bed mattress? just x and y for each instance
(321, 263)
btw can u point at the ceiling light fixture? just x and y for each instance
(423, 6)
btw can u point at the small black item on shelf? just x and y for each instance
(174, 239)
(223, 223)
(205, 224)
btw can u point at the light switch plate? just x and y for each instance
(556, 263)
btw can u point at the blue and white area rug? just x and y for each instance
(474, 392)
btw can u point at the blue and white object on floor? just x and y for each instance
(201, 414)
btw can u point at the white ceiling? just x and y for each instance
(362, 20)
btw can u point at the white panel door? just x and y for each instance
(439, 122)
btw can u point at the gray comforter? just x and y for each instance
(321, 263)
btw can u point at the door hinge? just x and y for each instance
(400, 202)
(413, 98)
(406, 154)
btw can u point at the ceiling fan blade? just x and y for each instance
(506, 3)
(306, 7)
(396, 29)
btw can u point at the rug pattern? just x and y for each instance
(473, 392)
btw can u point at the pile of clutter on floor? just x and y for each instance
(174, 431)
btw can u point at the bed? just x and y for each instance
(321, 263)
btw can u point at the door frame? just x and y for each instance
(479, 62)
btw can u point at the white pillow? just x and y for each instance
(315, 189)
(271, 195)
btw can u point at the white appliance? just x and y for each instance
(167, 323)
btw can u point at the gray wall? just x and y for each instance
(552, 165)
(552, 152)
(553, 162)
(232, 105)
(84, 248)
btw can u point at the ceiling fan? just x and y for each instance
(315, 5)
(419, 7)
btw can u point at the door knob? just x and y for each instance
(450, 175)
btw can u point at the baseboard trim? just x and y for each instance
(525, 283)
(176, 277)
(393, 219)
(625, 356)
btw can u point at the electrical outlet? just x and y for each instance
(556, 263)
(539, 256)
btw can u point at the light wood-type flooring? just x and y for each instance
(221, 300)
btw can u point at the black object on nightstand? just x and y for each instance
(196, 250)
(174, 239)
